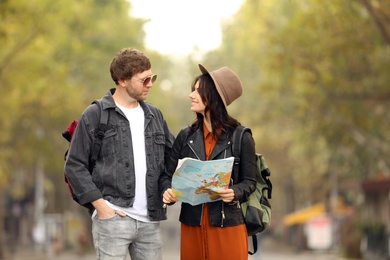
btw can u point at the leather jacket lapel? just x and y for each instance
(220, 149)
(196, 144)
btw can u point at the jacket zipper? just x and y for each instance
(223, 207)
(189, 144)
(223, 214)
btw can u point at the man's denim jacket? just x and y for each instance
(113, 176)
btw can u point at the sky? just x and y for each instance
(178, 26)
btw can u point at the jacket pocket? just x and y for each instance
(159, 147)
(109, 143)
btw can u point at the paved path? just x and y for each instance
(269, 250)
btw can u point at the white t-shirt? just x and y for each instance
(136, 119)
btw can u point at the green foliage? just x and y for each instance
(315, 82)
(54, 61)
(370, 227)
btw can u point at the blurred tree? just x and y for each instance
(54, 61)
(315, 82)
(317, 77)
(380, 13)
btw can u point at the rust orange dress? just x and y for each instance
(206, 242)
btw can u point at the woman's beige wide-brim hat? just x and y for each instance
(228, 84)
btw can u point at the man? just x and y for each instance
(123, 185)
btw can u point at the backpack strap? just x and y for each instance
(102, 128)
(254, 243)
(266, 173)
(236, 149)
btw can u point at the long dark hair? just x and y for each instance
(221, 121)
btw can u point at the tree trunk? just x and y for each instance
(379, 21)
(2, 253)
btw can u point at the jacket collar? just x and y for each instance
(196, 143)
(108, 102)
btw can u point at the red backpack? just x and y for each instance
(68, 134)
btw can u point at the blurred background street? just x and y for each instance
(270, 247)
(269, 250)
(316, 96)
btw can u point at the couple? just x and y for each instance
(131, 180)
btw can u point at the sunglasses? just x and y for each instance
(145, 81)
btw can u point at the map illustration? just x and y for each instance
(196, 182)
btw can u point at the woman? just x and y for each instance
(214, 230)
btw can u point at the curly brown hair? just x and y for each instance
(128, 62)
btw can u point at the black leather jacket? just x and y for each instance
(113, 177)
(191, 144)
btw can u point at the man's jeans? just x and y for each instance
(114, 237)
